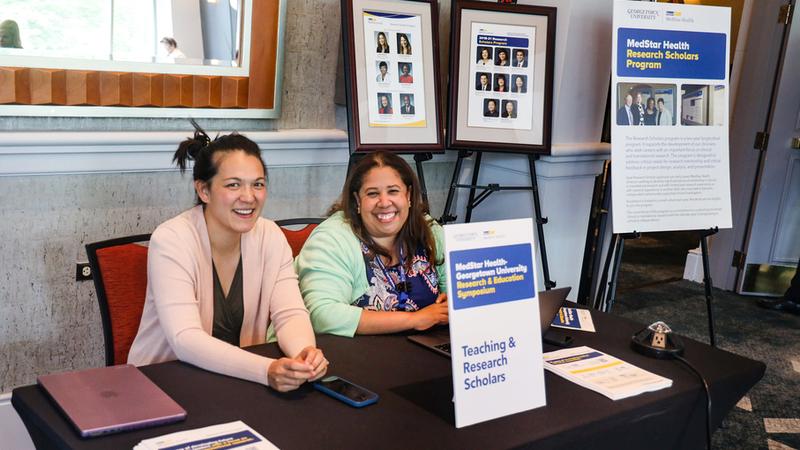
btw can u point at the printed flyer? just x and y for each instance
(669, 133)
(394, 66)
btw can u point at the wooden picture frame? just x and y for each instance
(65, 88)
(501, 77)
(391, 61)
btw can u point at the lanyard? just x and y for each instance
(402, 293)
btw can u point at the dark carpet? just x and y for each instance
(651, 288)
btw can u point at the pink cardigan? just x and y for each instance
(179, 308)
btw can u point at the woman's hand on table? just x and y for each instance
(433, 314)
(287, 374)
(314, 358)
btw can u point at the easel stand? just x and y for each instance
(606, 287)
(419, 158)
(604, 300)
(487, 190)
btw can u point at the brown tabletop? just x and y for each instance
(415, 409)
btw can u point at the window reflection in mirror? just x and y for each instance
(196, 32)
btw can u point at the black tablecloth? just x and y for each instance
(415, 409)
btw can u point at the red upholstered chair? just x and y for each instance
(119, 270)
(297, 231)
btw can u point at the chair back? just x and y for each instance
(297, 231)
(119, 271)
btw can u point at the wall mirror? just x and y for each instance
(141, 58)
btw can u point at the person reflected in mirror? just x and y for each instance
(219, 276)
(9, 34)
(384, 104)
(650, 112)
(405, 74)
(170, 46)
(383, 75)
(664, 116)
(485, 56)
(376, 265)
(383, 44)
(510, 109)
(403, 45)
(407, 107)
(490, 108)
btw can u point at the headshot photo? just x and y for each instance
(403, 44)
(501, 57)
(490, 108)
(519, 84)
(405, 71)
(483, 81)
(520, 58)
(509, 109)
(484, 56)
(500, 82)
(382, 42)
(383, 72)
(384, 103)
(407, 104)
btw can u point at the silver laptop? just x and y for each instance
(110, 399)
(549, 304)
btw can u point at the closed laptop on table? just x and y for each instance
(110, 399)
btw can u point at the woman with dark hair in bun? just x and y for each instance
(218, 275)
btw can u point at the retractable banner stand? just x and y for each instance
(495, 335)
(669, 138)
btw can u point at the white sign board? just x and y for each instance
(669, 133)
(495, 336)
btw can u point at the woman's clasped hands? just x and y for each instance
(287, 374)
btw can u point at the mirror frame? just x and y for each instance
(57, 91)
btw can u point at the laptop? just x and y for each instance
(110, 399)
(549, 303)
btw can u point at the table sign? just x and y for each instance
(670, 68)
(495, 334)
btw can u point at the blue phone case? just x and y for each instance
(361, 396)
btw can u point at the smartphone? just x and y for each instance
(341, 389)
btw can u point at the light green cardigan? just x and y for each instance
(333, 277)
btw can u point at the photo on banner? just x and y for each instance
(501, 76)
(669, 132)
(392, 75)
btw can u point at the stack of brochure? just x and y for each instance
(603, 373)
(227, 435)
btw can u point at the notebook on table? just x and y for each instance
(110, 399)
(549, 302)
